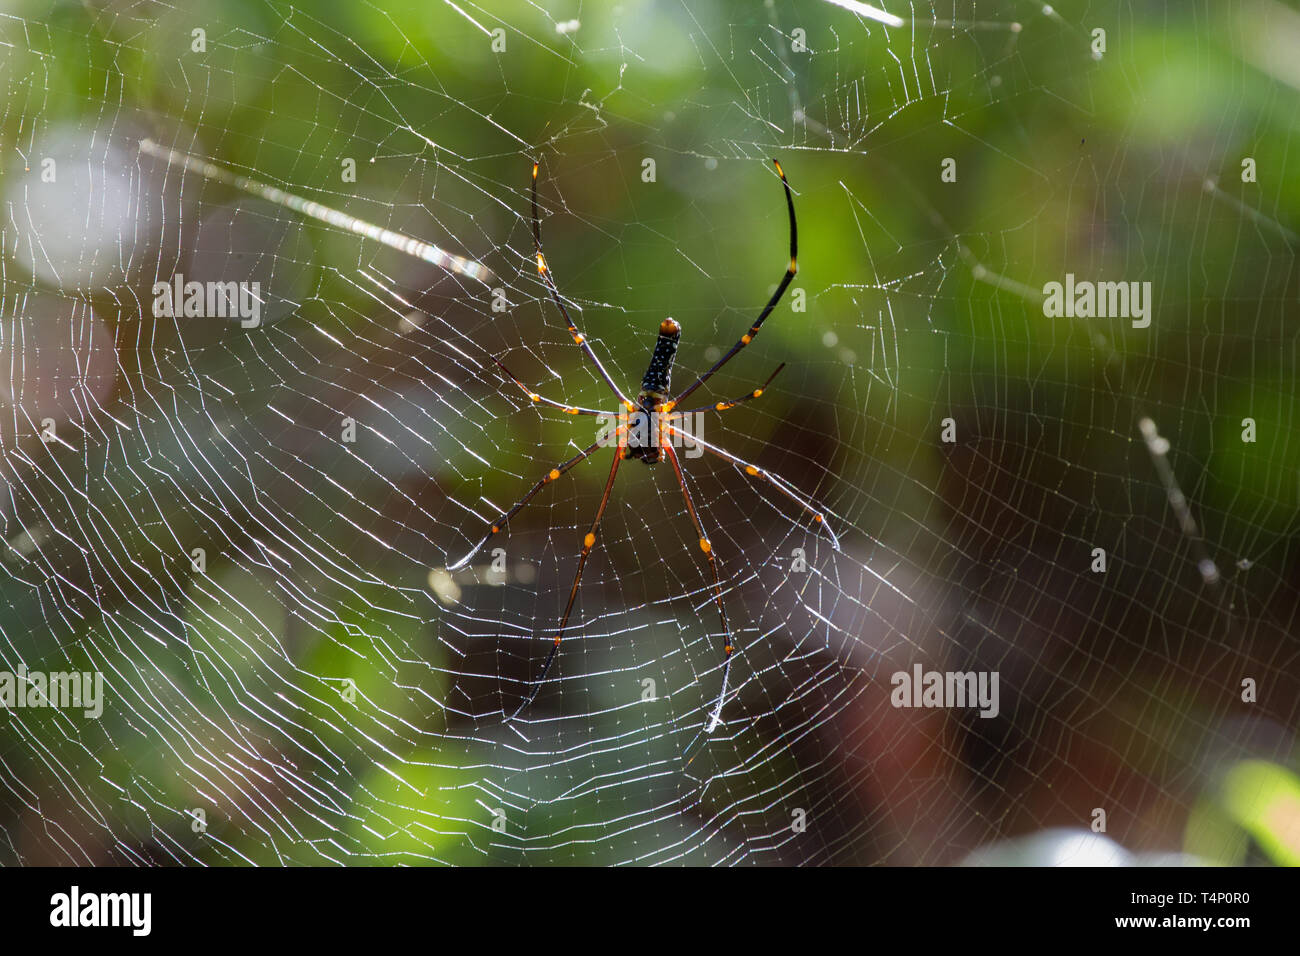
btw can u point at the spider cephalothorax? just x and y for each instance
(648, 429)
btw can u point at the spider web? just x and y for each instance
(312, 686)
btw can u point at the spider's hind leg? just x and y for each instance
(504, 519)
(588, 543)
(762, 474)
(729, 645)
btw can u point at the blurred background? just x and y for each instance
(246, 531)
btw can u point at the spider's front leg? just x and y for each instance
(786, 279)
(544, 270)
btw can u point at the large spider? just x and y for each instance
(646, 433)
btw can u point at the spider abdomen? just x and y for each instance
(655, 383)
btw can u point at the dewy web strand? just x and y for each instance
(340, 220)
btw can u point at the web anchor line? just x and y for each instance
(416, 248)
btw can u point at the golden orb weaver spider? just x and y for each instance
(655, 409)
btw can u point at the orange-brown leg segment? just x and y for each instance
(732, 403)
(588, 543)
(728, 647)
(762, 474)
(543, 400)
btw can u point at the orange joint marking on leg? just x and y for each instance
(579, 339)
(495, 528)
(794, 266)
(705, 546)
(571, 411)
(541, 262)
(818, 518)
(555, 473)
(775, 163)
(722, 406)
(746, 338)
(557, 640)
(589, 540)
(751, 470)
(728, 649)
(535, 165)
(757, 392)
(534, 396)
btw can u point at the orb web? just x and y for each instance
(247, 530)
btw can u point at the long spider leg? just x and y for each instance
(756, 472)
(567, 409)
(771, 303)
(728, 648)
(588, 543)
(545, 272)
(723, 406)
(546, 479)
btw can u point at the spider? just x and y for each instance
(646, 434)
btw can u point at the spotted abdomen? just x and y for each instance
(657, 377)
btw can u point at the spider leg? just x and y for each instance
(567, 409)
(588, 543)
(771, 303)
(762, 473)
(545, 272)
(728, 648)
(546, 479)
(723, 406)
